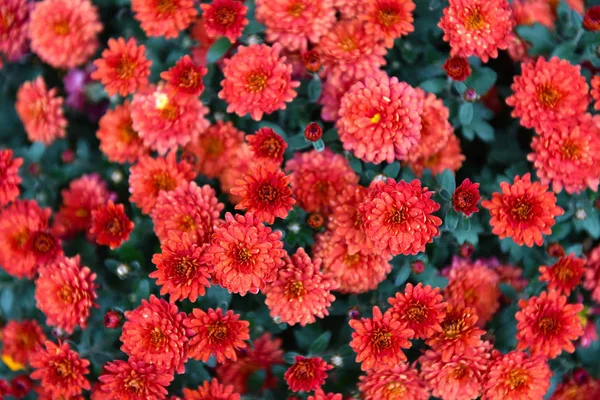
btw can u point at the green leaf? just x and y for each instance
(289, 357)
(314, 89)
(484, 131)
(460, 87)
(218, 297)
(256, 380)
(540, 38)
(392, 170)
(447, 181)
(356, 164)
(298, 142)
(218, 50)
(482, 80)
(508, 291)
(466, 113)
(330, 135)
(451, 220)
(565, 50)
(321, 343)
(592, 224)
(403, 275)
(435, 85)
(468, 132)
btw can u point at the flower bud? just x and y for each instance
(313, 132)
(113, 319)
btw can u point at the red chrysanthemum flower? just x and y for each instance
(380, 119)
(466, 197)
(123, 67)
(19, 342)
(591, 277)
(355, 272)
(448, 157)
(64, 33)
(459, 335)
(41, 111)
(165, 121)
(318, 178)
(110, 225)
(44, 246)
(591, 20)
(529, 12)
(241, 160)
(577, 387)
(401, 382)
(460, 378)
(246, 254)
(306, 374)
(458, 68)
(321, 395)
(378, 341)
(212, 390)
(257, 81)
(567, 155)
(9, 176)
(267, 146)
(214, 148)
(548, 93)
(118, 140)
(265, 192)
(421, 307)
(295, 23)
(477, 27)
(388, 19)
(523, 211)
(548, 325)
(564, 275)
(398, 216)
(164, 17)
(216, 333)
(65, 292)
(595, 91)
(301, 292)
(182, 269)
(60, 369)
(133, 380)
(150, 176)
(188, 209)
(516, 376)
(154, 333)
(224, 18)
(185, 77)
(13, 31)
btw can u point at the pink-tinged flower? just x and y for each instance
(110, 225)
(318, 178)
(595, 91)
(225, 18)
(349, 9)
(449, 157)
(523, 211)
(265, 192)
(65, 292)
(547, 325)
(150, 176)
(321, 395)
(13, 30)
(20, 340)
(154, 333)
(421, 307)
(240, 161)
(378, 341)
(591, 275)
(301, 293)
(400, 382)
(41, 111)
(198, 33)
(590, 333)
(578, 386)
(118, 140)
(306, 374)
(529, 12)
(466, 197)
(398, 216)
(212, 390)
(257, 81)
(460, 334)
(295, 23)
(246, 254)
(355, 272)
(61, 370)
(458, 68)
(133, 380)
(188, 209)
(477, 27)
(9, 176)
(165, 121)
(267, 146)
(548, 93)
(460, 378)
(567, 154)
(64, 33)
(164, 17)
(216, 333)
(516, 376)
(388, 19)
(380, 119)
(123, 67)
(182, 268)
(185, 77)
(565, 275)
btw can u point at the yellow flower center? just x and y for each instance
(43, 242)
(376, 118)
(517, 378)
(125, 68)
(163, 181)
(417, 312)
(184, 267)
(224, 16)
(348, 44)
(114, 226)
(296, 8)
(267, 193)
(303, 370)
(64, 368)
(166, 6)
(351, 259)
(522, 210)
(127, 134)
(394, 391)
(381, 340)
(213, 146)
(548, 95)
(570, 150)
(547, 325)
(256, 82)
(61, 28)
(474, 20)
(217, 331)
(157, 337)
(187, 223)
(243, 255)
(271, 147)
(189, 79)
(387, 16)
(295, 289)
(397, 216)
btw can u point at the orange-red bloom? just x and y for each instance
(246, 254)
(458, 68)
(118, 140)
(448, 157)
(564, 275)
(523, 211)
(529, 12)
(20, 341)
(224, 18)
(110, 225)
(388, 19)
(321, 395)
(212, 390)
(306, 374)
(216, 333)
(60, 369)
(578, 386)
(9, 176)
(13, 31)
(123, 67)
(301, 292)
(267, 146)
(265, 192)
(466, 197)
(591, 20)
(64, 33)
(401, 382)
(41, 111)
(257, 81)
(595, 91)
(421, 307)
(133, 380)
(477, 27)
(164, 17)
(154, 333)
(185, 77)
(459, 335)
